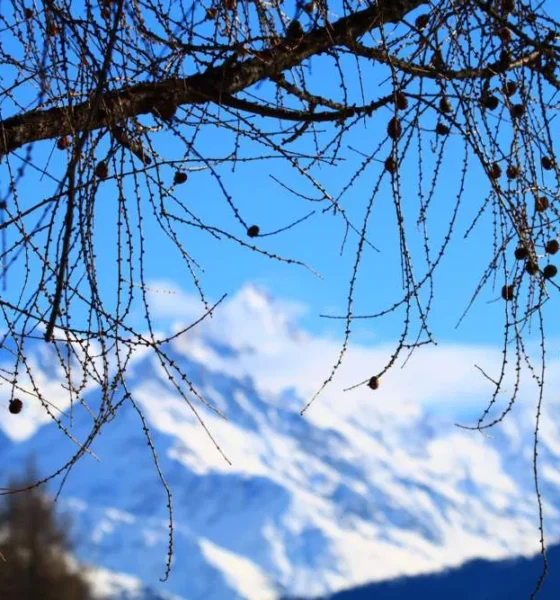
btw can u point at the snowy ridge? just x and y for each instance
(364, 487)
(118, 586)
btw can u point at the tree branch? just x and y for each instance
(228, 78)
(301, 116)
(418, 70)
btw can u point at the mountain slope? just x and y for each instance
(475, 580)
(364, 487)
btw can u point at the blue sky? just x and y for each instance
(443, 377)
(316, 241)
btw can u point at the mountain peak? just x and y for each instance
(250, 320)
(255, 296)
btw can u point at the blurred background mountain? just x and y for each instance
(365, 487)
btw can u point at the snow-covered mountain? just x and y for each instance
(365, 486)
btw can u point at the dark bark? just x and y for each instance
(210, 86)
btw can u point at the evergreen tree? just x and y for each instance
(35, 545)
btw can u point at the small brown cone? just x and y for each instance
(391, 165)
(509, 89)
(531, 267)
(495, 171)
(517, 110)
(422, 21)
(442, 129)
(547, 163)
(512, 172)
(180, 177)
(445, 105)
(552, 247)
(101, 170)
(508, 292)
(521, 253)
(401, 101)
(541, 203)
(550, 271)
(374, 382)
(394, 129)
(490, 102)
(15, 406)
(63, 142)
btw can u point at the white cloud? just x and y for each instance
(277, 355)
(266, 345)
(169, 303)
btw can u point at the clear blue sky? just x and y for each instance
(316, 241)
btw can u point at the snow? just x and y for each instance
(366, 486)
(107, 584)
(244, 577)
